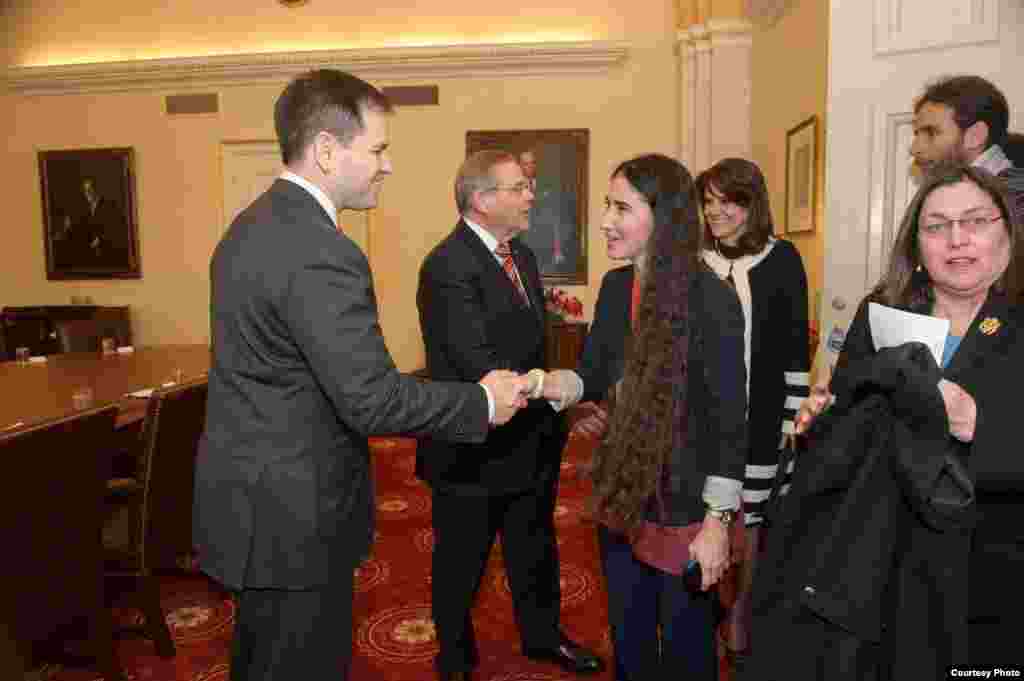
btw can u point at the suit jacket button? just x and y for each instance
(809, 590)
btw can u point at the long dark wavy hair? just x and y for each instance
(741, 182)
(650, 416)
(906, 283)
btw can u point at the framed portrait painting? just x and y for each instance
(555, 163)
(89, 219)
(801, 173)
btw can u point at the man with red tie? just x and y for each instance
(481, 307)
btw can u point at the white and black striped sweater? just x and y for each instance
(772, 288)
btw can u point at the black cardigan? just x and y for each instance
(779, 359)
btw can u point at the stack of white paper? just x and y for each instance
(891, 327)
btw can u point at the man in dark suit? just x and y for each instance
(97, 234)
(552, 233)
(481, 308)
(300, 377)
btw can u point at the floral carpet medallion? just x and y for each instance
(370, 573)
(402, 635)
(394, 637)
(423, 540)
(578, 584)
(401, 506)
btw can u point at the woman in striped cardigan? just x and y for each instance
(771, 283)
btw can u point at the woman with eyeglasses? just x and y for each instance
(769, 278)
(866, 572)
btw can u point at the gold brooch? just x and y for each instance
(989, 325)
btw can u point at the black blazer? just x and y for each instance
(604, 350)
(300, 377)
(474, 320)
(716, 399)
(990, 367)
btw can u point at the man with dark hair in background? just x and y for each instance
(965, 118)
(300, 377)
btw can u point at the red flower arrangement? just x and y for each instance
(561, 305)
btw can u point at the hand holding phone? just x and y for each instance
(692, 575)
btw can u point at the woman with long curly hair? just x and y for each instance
(666, 346)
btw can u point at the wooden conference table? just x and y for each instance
(38, 391)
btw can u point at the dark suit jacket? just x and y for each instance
(990, 367)
(474, 320)
(300, 377)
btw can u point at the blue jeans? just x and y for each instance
(640, 600)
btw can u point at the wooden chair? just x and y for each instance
(78, 335)
(51, 519)
(149, 527)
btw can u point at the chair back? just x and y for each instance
(51, 518)
(30, 329)
(175, 419)
(78, 335)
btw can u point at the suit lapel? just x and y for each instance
(991, 328)
(496, 279)
(530, 279)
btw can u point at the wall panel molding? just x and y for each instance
(892, 185)
(456, 61)
(913, 25)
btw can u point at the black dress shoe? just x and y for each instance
(570, 657)
(454, 676)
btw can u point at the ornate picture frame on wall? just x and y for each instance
(801, 176)
(90, 229)
(556, 163)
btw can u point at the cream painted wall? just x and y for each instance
(629, 110)
(49, 33)
(790, 71)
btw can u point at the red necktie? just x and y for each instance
(504, 251)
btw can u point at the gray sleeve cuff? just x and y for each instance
(723, 493)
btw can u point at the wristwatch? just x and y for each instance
(726, 516)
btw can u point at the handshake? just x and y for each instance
(511, 391)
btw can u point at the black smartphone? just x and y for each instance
(692, 575)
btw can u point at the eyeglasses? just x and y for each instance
(972, 225)
(517, 188)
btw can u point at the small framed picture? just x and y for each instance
(801, 173)
(555, 163)
(89, 220)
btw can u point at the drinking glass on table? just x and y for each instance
(82, 397)
(22, 354)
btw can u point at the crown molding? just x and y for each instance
(716, 32)
(404, 63)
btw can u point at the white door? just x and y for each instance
(882, 53)
(249, 168)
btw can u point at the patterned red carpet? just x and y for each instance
(394, 636)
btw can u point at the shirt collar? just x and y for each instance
(489, 239)
(993, 160)
(317, 193)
